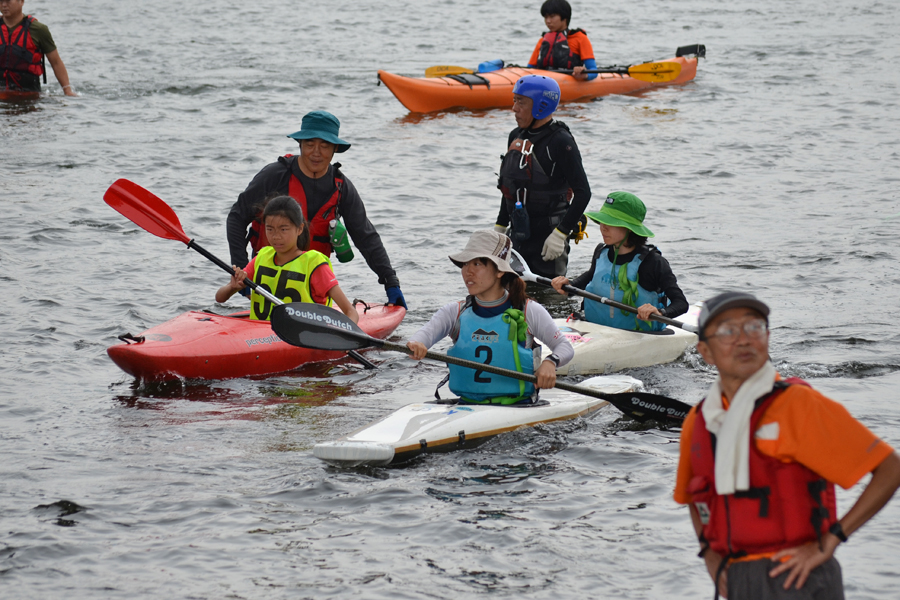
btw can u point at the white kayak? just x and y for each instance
(601, 349)
(433, 427)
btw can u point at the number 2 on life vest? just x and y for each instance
(479, 375)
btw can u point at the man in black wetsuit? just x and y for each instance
(545, 189)
(322, 191)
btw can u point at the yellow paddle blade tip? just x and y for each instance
(657, 72)
(444, 70)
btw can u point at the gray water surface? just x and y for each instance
(775, 171)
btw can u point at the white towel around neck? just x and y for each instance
(732, 428)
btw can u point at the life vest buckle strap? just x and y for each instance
(819, 514)
(758, 493)
(437, 393)
(526, 151)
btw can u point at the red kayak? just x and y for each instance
(203, 345)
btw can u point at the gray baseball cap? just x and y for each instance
(727, 300)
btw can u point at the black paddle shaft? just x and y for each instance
(638, 405)
(229, 269)
(253, 285)
(218, 261)
(579, 292)
(319, 327)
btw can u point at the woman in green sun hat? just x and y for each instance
(627, 269)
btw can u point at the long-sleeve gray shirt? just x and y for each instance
(540, 325)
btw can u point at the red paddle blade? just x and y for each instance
(145, 209)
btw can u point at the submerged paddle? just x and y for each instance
(521, 267)
(323, 328)
(143, 208)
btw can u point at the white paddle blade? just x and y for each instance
(521, 267)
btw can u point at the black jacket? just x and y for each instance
(274, 180)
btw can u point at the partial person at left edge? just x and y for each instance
(24, 43)
(324, 194)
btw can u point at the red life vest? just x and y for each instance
(787, 504)
(555, 52)
(21, 61)
(318, 224)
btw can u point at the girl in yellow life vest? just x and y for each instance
(288, 269)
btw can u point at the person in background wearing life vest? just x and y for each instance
(544, 187)
(561, 47)
(497, 324)
(760, 457)
(24, 42)
(287, 268)
(628, 270)
(324, 194)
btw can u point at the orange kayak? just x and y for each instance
(203, 345)
(421, 95)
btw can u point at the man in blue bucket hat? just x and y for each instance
(322, 191)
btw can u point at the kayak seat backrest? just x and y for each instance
(698, 50)
(470, 79)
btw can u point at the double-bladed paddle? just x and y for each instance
(521, 267)
(654, 72)
(143, 208)
(320, 327)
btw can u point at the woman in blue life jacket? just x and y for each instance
(627, 269)
(496, 324)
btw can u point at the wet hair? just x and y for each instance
(557, 7)
(516, 288)
(287, 207)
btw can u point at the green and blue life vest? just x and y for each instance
(500, 341)
(620, 283)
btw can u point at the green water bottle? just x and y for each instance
(340, 241)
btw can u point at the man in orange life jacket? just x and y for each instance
(561, 47)
(324, 194)
(24, 42)
(759, 459)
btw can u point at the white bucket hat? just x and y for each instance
(488, 244)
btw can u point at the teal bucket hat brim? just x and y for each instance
(311, 134)
(615, 218)
(323, 125)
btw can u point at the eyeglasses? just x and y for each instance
(728, 333)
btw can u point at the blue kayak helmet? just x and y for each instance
(543, 91)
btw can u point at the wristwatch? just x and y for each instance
(555, 359)
(837, 531)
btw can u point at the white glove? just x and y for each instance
(554, 246)
(500, 229)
